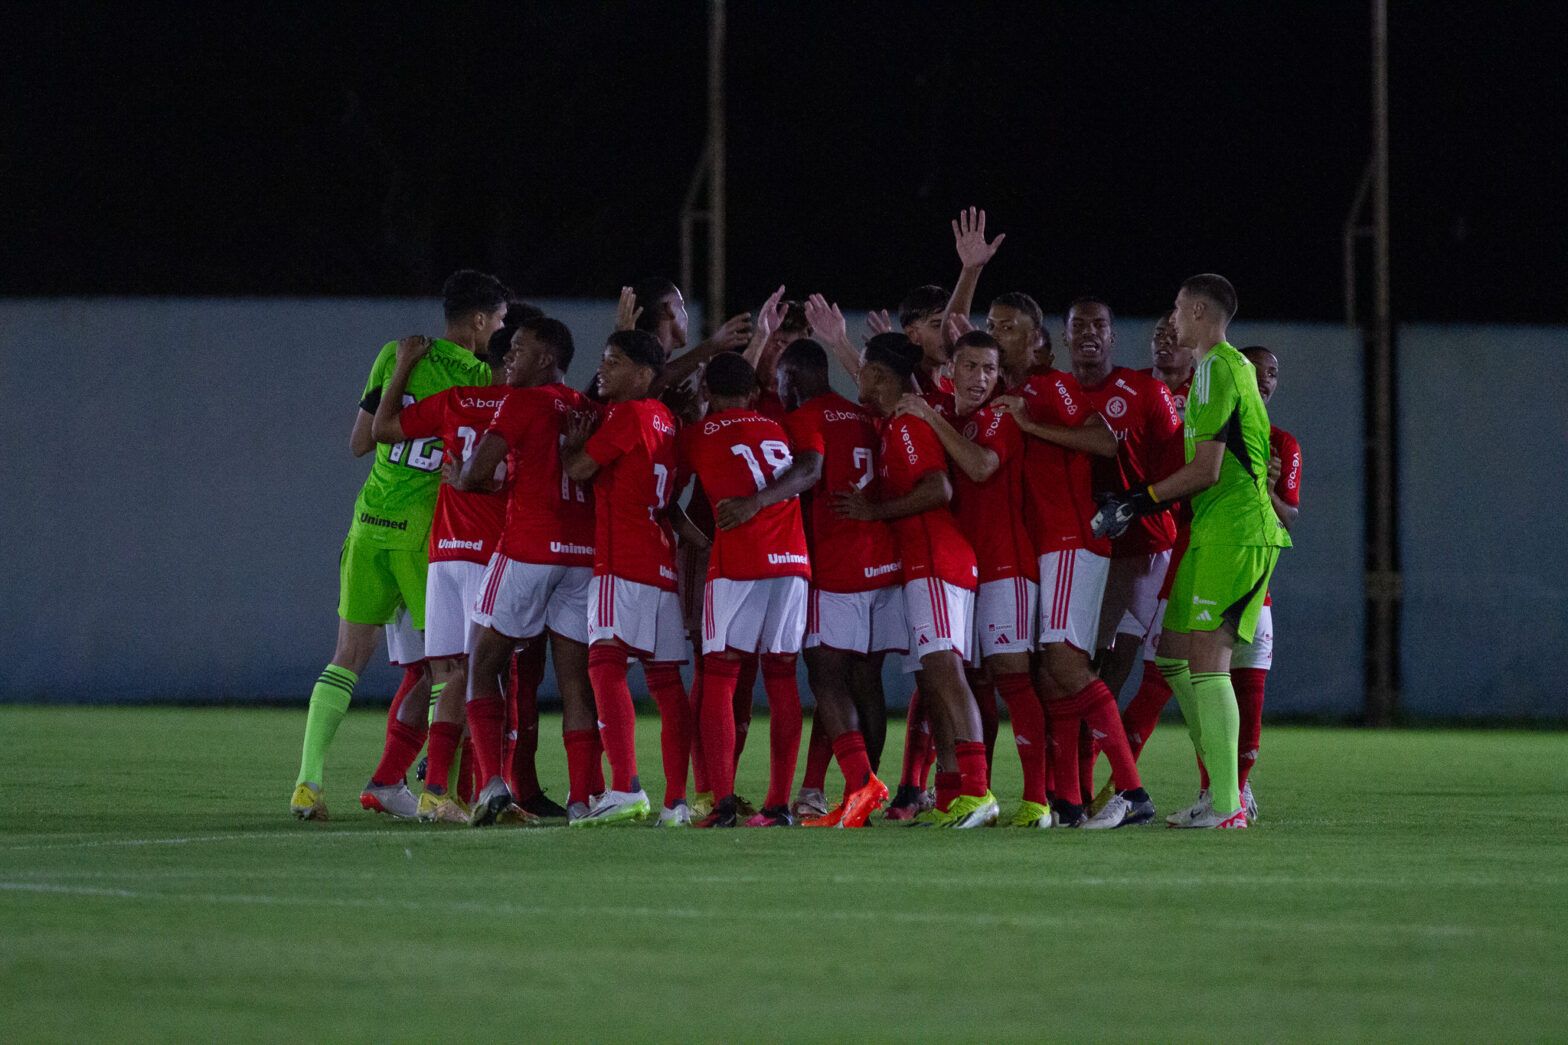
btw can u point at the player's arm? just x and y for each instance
(360, 441)
(830, 330)
(386, 428)
(688, 531)
(977, 462)
(804, 472)
(576, 462)
(973, 253)
(479, 471)
(769, 318)
(735, 332)
(933, 490)
(1093, 436)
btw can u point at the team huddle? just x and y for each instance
(995, 525)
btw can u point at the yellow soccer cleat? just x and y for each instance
(701, 804)
(441, 809)
(1101, 798)
(973, 811)
(307, 803)
(1032, 814)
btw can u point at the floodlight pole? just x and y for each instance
(710, 175)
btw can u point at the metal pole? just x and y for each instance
(1383, 579)
(713, 307)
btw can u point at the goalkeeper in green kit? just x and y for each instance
(1236, 540)
(384, 557)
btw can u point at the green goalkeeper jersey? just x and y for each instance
(394, 506)
(1224, 405)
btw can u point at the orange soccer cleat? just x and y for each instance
(859, 806)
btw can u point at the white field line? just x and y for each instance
(303, 835)
(1353, 923)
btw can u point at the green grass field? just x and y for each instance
(152, 886)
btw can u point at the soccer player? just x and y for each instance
(922, 316)
(987, 449)
(1236, 539)
(939, 577)
(384, 556)
(463, 531)
(633, 610)
(1066, 432)
(537, 578)
(856, 610)
(758, 573)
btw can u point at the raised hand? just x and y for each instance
(735, 332)
(827, 322)
(879, 322)
(957, 326)
(626, 311)
(771, 315)
(969, 239)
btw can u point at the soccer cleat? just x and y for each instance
(441, 809)
(540, 805)
(809, 802)
(743, 807)
(1221, 821)
(932, 817)
(307, 803)
(394, 800)
(516, 814)
(1101, 798)
(1120, 811)
(419, 770)
(828, 819)
(862, 802)
(1249, 803)
(575, 811)
(701, 804)
(679, 816)
(490, 803)
(723, 815)
(909, 803)
(771, 816)
(1033, 814)
(617, 807)
(1067, 814)
(1184, 817)
(973, 811)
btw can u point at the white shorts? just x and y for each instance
(451, 589)
(1259, 653)
(858, 621)
(759, 616)
(941, 617)
(405, 643)
(1005, 615)
(645, 618)
(1156, 630)
(1132, 591)
(1072, 585)
(522, 599)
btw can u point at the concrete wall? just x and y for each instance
(179, 485)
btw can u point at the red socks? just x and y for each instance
(973, 774)
(669, 692)
(522, 714)
(745, 690)
(947, 788)
(784, 725)
(581, 751)
(919, 747)
(985, 698)
(1143, 712)
(1064, 749)
(1028, 715)
(467, 769)
(486, 719)
(1105, 729)
(411, 676)
(443, 745)
(719, 678)
(1248, 684)
(617, 717)
(819, 752)
(850, 748)
(402, 747)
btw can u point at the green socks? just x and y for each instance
(1178, 674)
(1215, 699)
(328, 704)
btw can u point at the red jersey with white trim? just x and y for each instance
(1178, 395)
(991, 514)
(1288, 486)
(847, 555)
(930, 544)
(1059, 501)
(635, 451)
(467, 523)
(548, 517)
(1142, 415)
(737, 453)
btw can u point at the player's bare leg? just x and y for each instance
(329, 700)
(865, 688)
(832, 675)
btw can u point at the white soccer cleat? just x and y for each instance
(680, 816)
(575, 811)
(616, 807)
(1222, 821)
(1249, 803)
(809, 802)
(1184, 817)
(394, 800)
(490, 803)
(1120, 811)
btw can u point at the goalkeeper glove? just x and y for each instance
(1119, 510)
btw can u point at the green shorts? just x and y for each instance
(1221, 583)
(374, 581)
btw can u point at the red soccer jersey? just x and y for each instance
(635, 451)
(991, 513)
(1284, 446)
(930, 544)
(466, 523)
(1178, 395)
(736, 453)
(1059, 501)
(1142, 415)
(848, 555)
(548, 517)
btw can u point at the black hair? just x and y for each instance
(922, 302)
(805, 354)
(650, 298)
(556, 335)
(1021, 302)
(1215, 288)
(976, 339)
(728, 374)
(1088, 299)
(640, 347)
(894, 351)
(467, 291)
(500, 344)
(518, 311)
(794, 318)
(1258, 348)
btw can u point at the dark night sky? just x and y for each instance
(368, 149)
